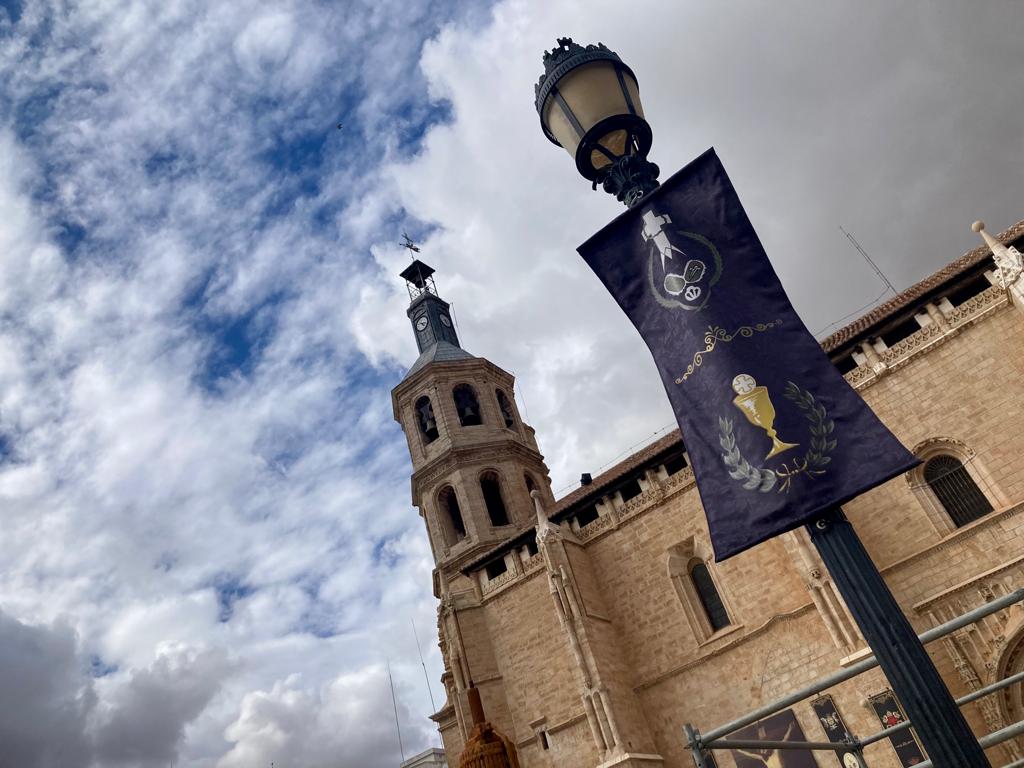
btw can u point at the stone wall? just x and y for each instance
(963, 386)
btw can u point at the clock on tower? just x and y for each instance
(430, 314)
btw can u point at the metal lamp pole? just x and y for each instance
(589, 103)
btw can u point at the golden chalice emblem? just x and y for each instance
(757, 407)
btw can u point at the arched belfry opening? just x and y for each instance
(467, 406)
(425, 419)
(451, 515)
(490, 486)
(505, 407)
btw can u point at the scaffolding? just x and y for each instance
(702, 744)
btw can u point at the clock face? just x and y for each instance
(421, 323)
(446, 321)
(743, 383)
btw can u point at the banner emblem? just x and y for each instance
(754, 402)
(756, 405)
(679, 279)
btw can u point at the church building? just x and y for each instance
(597, 625)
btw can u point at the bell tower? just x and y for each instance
(475, 461)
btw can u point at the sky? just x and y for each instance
(208, 553)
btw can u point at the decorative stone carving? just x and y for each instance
(976, 650)
(929, 336)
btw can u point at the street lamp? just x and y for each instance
(589, 104)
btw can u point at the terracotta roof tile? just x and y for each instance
(609, 476)
(915, 292)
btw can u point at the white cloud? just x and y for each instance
(824, 117)
(200, 318)
(319, 729)
(203, 465)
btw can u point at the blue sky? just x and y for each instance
(208, 540)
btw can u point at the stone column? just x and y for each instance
(936, 315)
(874, 361)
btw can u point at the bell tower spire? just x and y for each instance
(475, 465)
(430, 314)
(474, 460)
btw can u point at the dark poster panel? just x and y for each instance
(780, 727)
(832, 723)
(890, 713)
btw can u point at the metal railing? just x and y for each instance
(701, 744)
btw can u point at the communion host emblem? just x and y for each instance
(757, 406)
(678, 268)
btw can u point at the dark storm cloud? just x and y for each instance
(47, 697)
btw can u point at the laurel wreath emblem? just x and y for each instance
(812, 463)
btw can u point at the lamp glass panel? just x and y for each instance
(593, 93)
(559, 125)
(614, 142)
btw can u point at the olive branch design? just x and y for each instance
(739, 468)
(812, 463)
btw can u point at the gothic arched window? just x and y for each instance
(506, 409)
(451, 515)
(491, 487)
(425, 419)
(467, 406)
(708, 595)
(703, 604)
(530, 485)
(955, 489)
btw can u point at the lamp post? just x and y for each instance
(589, 104)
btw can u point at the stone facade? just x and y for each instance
(585, 624)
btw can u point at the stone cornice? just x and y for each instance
(453, 563)
(778, 618)
(448, 369)
(505, 586)
(928, 602)
(500, 447)
(956, 537)
(554, 728)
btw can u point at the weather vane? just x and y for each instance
(413, 248)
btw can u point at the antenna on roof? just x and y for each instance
(881, 275)
(867, 258)
(394, 703)
(425, 675)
